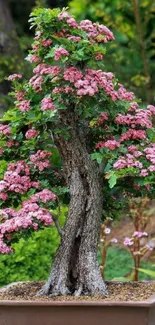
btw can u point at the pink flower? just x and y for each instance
(64, 15)
(151, 168)
(99, 56)
(137, 164)
(143, 173)
(132, 148)
(110, 144)
(36, 82)
(34, 58)
(24, 105)
(103, 117)
(128, 241)
(74, 38)
(47, 42)
(14, 77)
(151, 108)
(3, 196)
(47, 103)
(120, 163)
(133, 134)
(138, 234)
(44, 196)
(107, 231)
(59, 53)
(39, 159)
(5, 129)
(12, 143)
(72, 23)
(35, 184)
(20, 95)
(54, 70)
(114, 240)
(32, 133)
(72, 74)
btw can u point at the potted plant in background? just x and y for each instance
(75, 133)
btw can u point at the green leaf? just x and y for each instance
(112, 180)
(97, 156)
(148, 272)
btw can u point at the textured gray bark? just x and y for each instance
(75, 269)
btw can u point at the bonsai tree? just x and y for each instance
(75, 135)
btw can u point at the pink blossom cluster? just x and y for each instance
(64, 15)
(128, 241)
(70, 20)
(59, 53)
(32, 133)
(14, 77)
(150, 153)
(3, 196)
(20, 95)
(16, 179)
(72, 74)
(29, 216)
(93, 79)
(140, 234)
(65, 90)
(151, 108)
(11, 143)
(47, 104)
(34, 58)
(44, 69)
(4, 249)
(99, 56)
(133, 134)
(127, 161)
(142, 117)
(35, 47)
(110, 144)
(44, 196)
(123, 94)
(36, 82)
(133, 106)
(131, 241)
(74, 38)
(39, 159)
(5, 129)
(24, 105)
(102, 118)
(99, 32)
(47, 42)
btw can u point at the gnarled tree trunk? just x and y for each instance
(75, 269)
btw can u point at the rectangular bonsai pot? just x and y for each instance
(77, 313)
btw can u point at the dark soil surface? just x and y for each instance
(123, 291)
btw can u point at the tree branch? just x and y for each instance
(56, 221)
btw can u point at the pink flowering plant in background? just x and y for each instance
(105, 242)
(75, 135)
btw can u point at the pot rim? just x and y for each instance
(150, 302)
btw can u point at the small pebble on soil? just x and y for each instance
(122, 291)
